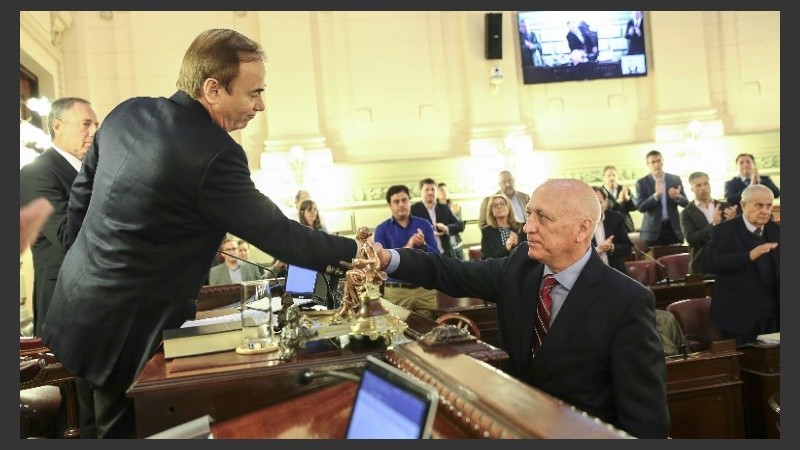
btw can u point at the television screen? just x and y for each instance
(581, 45)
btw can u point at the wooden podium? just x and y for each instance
(705, 394)
(258, 396)
(761, 373)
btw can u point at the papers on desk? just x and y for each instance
(771, 338)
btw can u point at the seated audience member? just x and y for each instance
(502, 232)
(231, 271)
(443, 197)
(669, 330)
(748, 174)
(405, 230)
(590, 338)
(243, 251)
(618, 197)
(699, 217)
(744, 256)
(441, 218)
(308, 215)
(610, 238)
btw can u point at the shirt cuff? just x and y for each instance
(393, 262)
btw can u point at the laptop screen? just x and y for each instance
(300, 282)
(390, 404)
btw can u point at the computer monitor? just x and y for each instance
(305, 285)
(391, 404)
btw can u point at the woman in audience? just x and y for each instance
(502, 232)
(308, 215)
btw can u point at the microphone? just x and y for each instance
(667, 279)
(305, 376)
(251, 263)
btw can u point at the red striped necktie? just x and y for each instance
(543, 308)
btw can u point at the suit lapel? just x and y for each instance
(580, 297)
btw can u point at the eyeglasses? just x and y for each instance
(498, 205)
(229, 250)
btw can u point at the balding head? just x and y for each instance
(564, 215)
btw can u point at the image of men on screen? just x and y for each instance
(582, 42)
(530, 45)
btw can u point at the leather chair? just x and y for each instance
(694, 317)
(42, 380)
(475, 253)
(461, 321)
(644, 271)
(674, 267)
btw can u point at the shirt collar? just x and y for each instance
(71, 159)
(568, 276)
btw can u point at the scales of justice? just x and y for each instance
(361, 313)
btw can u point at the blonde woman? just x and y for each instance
(502, 232)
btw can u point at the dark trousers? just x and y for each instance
(764, 325)
(666, 236)
(114, 413)
(86, 409)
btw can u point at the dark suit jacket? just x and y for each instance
(492, 245)
(735, 186)
(697, 231)
(623, 208)
(50, 175)
(165, 185)
(602, 353)
(635, 41)
(738, 281)
(651, 207)
(445, 216)
(614, 224)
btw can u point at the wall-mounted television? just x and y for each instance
(582, 45)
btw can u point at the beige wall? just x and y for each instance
(379, 98)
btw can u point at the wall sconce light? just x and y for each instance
(297, 162)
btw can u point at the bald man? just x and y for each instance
(602, 353)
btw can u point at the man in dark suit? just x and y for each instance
(72, 124)
(699, 217)
(748, 174)
(610, 238)
(602, 353)
(744, 256)
(618, 197)
(658, 196)
(445, 223)
(160, 186)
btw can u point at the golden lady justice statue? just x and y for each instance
(361, 300)
(361, 313)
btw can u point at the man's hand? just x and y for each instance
(730, 212)
(384, 256)
(607, 246)
(31, 220)
(416, 240)
(754, 178)
(761, 250)
(674, 192)
(717, 215)
(441, 229)
(623, 195)
(512, 241)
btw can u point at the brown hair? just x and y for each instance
(216, 53)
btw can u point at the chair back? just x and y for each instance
(475, 253)
(694, 317)
(674, 267)
(461, 321)
(644, 271)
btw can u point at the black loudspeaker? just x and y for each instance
(494, 36)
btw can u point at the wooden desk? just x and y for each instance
(680, 290)
(761, 373)
(171, 392)
(704, 392)
(475, 401)
(483, 313)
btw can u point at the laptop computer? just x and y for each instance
(306, 286)
(391, 404)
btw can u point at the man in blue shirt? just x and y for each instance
(405, 230)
